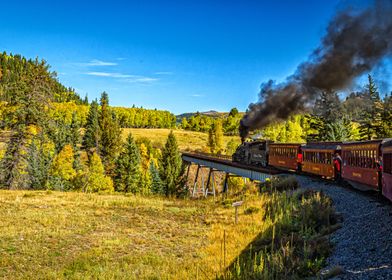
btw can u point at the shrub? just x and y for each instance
(279, 184)
(293, 245)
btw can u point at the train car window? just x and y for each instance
(387, 168)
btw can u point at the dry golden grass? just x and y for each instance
(55, 235)
(187, 140)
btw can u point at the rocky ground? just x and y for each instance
(363, 246)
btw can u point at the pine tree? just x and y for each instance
(62, 172)
(39, 157)
(28, 93)
(387, 116)
(338, 130)
(170, 168)
(328, 109)
(128, 172)
(110, 135)
(156, 182)
(371, 121)
(92, 135)
(74, 137)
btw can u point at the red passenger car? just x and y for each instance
(361, 166)
(386, 166)
(318, 158)
(285, 156)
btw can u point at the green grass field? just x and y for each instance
(187, 140)
(54, 235)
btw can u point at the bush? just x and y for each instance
(294, 244)
(279, 184)
(251, 210)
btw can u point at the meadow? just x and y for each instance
(187, 140)
(56, 235)
(69, 235)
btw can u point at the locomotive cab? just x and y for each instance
(252, 153)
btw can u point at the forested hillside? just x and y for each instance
(13, 67)
(56, 140)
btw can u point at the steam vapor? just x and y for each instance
(355, 42)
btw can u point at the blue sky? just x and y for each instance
(182, 56)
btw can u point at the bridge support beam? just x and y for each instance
(211, 177)
(195, 183)
(226, 184)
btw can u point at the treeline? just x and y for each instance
(13, 67)
(127, 117)
(204, 123)
(143, 118)
(69, 146)
(362, 115)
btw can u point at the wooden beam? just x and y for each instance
(195, 183)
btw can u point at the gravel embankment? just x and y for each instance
(363, 246)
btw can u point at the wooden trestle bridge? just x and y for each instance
(219, 163)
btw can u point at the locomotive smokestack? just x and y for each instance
(355, 42)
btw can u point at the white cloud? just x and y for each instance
(125, 77)
(109, 74)
(97, 62)
(141, 79)
(164, 73)
(197, 95)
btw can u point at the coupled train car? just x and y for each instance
(364, 164)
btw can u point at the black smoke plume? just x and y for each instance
(355, 42)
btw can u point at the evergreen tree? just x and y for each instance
(39, 158)
(328, 106)
(328, 109)
(28, 93)
(128, 172)
(371, 122)
(74, 137)
(233, 112)
(338, 130)
(387, 116)
(156, 182)
(170, 168)
(92, 135)
(110, 135)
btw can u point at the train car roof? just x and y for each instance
(387, 142)
(322, 146)
(376, 141)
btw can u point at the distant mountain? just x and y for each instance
(211, 113)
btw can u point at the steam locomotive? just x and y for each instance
(363, 164)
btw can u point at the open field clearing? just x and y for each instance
(187, 140)
(56, 235)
